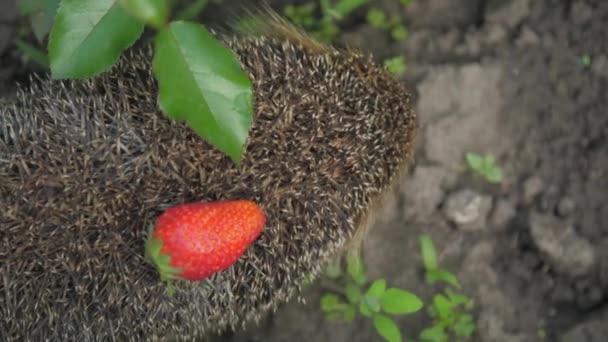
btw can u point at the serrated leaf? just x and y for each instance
(88, 37)
(475, 161)
(397, 301)
(387, 328)
(151, 12)
(439, 274)
(427, 249)
(364, 309)
(353, 293)
(434, 334)
(202, 82)
(377, 289)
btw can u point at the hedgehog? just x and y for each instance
(86, 165)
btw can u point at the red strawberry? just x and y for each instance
(193, 241)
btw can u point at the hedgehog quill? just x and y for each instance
(85, 166)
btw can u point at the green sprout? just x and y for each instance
(448, 310)
(393, 23)
(395, 65)
(374, 300)
(586, 60)
(485, 166)
(326, 27)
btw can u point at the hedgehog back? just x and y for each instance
(87, 166)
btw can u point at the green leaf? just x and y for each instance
(353, 293)
(443, 306)
(349, 313)
(434, 334)
(354, 267)
(494, 175)
(151, 12)
(429, 256)
(193, 10)
(376, 18)
(88, 36)
(373, 303)
(387, 328)
(405, 2)
(345, 7)
(399, 33)
(397, 301)
(438, 274)
(330, 302)
(395, 65)
(364, 309)
(377, 289)
(202, 82)
(464, 326)
(33, 53)
(456, 299)
(475, 161)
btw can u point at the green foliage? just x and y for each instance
(449, 309)
(200, 80)
(215, 98)
(88, 36)
(395, 65)
(375, 301)
(326, 27)
(393, 23)
(586, 60)
(485, 166)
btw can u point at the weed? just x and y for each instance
(485, 166)
(326, 27)
(586, 60)
(375, 301)
(449, 311)
(396, 65)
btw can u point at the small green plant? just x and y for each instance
(326, 27)
(375, 301)
(393, 23)
(586, 60)
(485, 166)
(448, 310)
(395, 65)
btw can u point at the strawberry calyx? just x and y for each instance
(162, 261)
